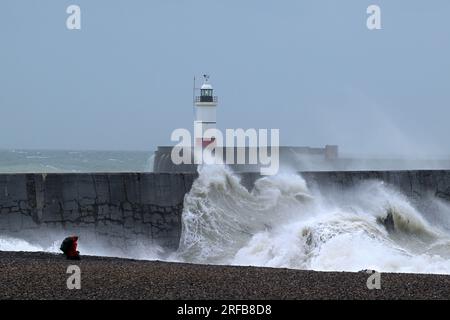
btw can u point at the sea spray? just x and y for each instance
(282, 223)
(15, 244)
(220, 215)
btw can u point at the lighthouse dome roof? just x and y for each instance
(206, 86)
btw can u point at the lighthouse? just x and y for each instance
(205, 114)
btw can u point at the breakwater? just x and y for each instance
(122, 210)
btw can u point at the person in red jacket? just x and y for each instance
(69, 248)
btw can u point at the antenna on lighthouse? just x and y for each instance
(206, 76)
(193, 98)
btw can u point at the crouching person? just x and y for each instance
(69, 248)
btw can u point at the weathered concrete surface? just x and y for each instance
(122, 209)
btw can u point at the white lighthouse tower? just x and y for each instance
(205, 114)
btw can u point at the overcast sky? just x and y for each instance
(310, 68)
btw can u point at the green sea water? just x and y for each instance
(57, 161)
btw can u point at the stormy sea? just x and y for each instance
(53, 161)
(280, 223)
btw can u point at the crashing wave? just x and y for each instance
(281, 223)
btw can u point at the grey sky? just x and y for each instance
(310, 68)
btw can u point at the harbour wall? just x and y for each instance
(125, 210)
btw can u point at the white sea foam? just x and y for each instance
(140, 250)
(281, 223)
(16, 244)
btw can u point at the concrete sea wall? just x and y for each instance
(115, 208)
(122, 210)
